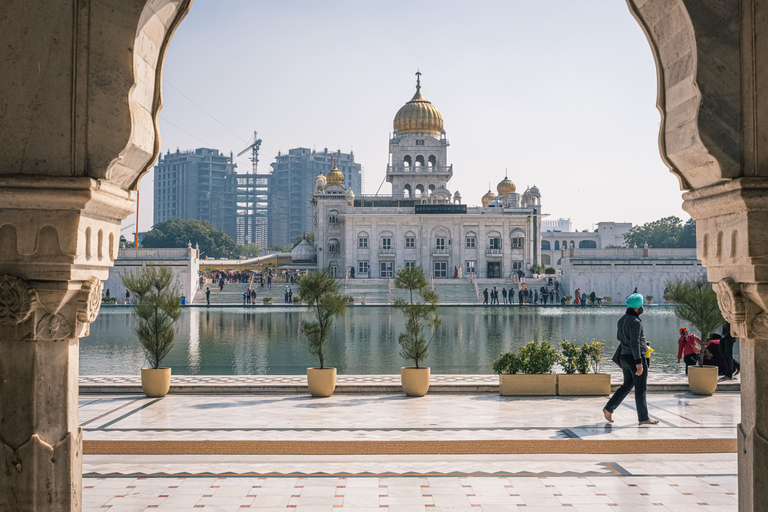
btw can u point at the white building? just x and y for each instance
(617, 272)
(422, 222)
(184, 263)
(557, 235)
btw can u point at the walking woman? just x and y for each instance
(631, 357)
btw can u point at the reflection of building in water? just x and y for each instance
(422, 222)
(193, 351)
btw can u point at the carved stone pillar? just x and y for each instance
(56, 246)
(732, 232)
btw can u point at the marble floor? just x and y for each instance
(642, 477)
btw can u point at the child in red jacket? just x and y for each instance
(688, 348)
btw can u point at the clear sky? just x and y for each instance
(562, 93)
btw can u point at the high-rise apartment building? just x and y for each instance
(198, 184)
(292, 185)
(252, 208)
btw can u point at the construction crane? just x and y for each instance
(254, 148)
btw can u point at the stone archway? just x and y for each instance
(80, 94)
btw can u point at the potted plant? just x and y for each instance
(550, 271)
(649, 299)
(577, 362)
(535, 362)
(568, 298)
(266, 301)
(296, 299)
(420, 316)
(109, 300)
(321, 292)
(697, 303)
(608, 299)
(157, 308)
(349, 299)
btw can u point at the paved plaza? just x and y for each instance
(442, 452)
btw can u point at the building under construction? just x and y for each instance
(198, 184)
(291, 186)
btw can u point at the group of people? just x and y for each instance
(718, 351)
(543, 295)
(581, 298)
(633, 356)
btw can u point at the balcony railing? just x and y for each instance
(439, 169)
(440, 251)
(493, 251)
(388, 250)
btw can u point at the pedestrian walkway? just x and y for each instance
(439, 383)
(389, 451)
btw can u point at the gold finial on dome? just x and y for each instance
(320, 177)
(335, 176)
(489, 196)
(418, 115)
(505, 186)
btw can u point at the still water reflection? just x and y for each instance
(245, 341)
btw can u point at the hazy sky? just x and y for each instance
(561, 93)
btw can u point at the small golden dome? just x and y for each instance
(320, 177)
(418, 115)
(505, 187)
(335, 176)
(490, 196)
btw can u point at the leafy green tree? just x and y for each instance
(668, 232)
(180, 232)
(157, 308)
(321, 292)
(696, 303)
(309, 237)
(420, 315)
(249, 250)
(279, 248)
(688, 236)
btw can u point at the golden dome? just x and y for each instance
(418, 115)
(490, 196)
(335, 176)
(505, 187)
(321, 177)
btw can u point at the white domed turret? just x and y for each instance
(350, 195)
(304, 253)
(319, 183)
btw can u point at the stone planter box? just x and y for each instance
(598, 384)
(527, 385)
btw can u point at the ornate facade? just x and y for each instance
(422, 223)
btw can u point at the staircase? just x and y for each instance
(372, 291)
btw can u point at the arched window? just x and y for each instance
(333, 246)
(419, 161)
(565, 245)
(362, 240)
(407, 163)
(333, 216)
(419, 191)
(557, 245)
(431, 162)
(545, 260)
(587, 244)
(431, 189)
(545, 245)
(573, 244)
(407, 191)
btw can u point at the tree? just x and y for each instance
(696, 303)
(180, 232)
(321, 293)
(688, 236)
(279, 248)
(249, 250)
(309, 237)
(668, 232)
(157, 308)
(419, 315)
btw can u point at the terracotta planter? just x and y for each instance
(702, 380)
(155, 382)
(321, 381)
(521, 384)
(362, 302)
(415, 381)
(597, 384)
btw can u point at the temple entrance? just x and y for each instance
(494, 269)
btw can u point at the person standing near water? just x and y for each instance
(632, 358)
